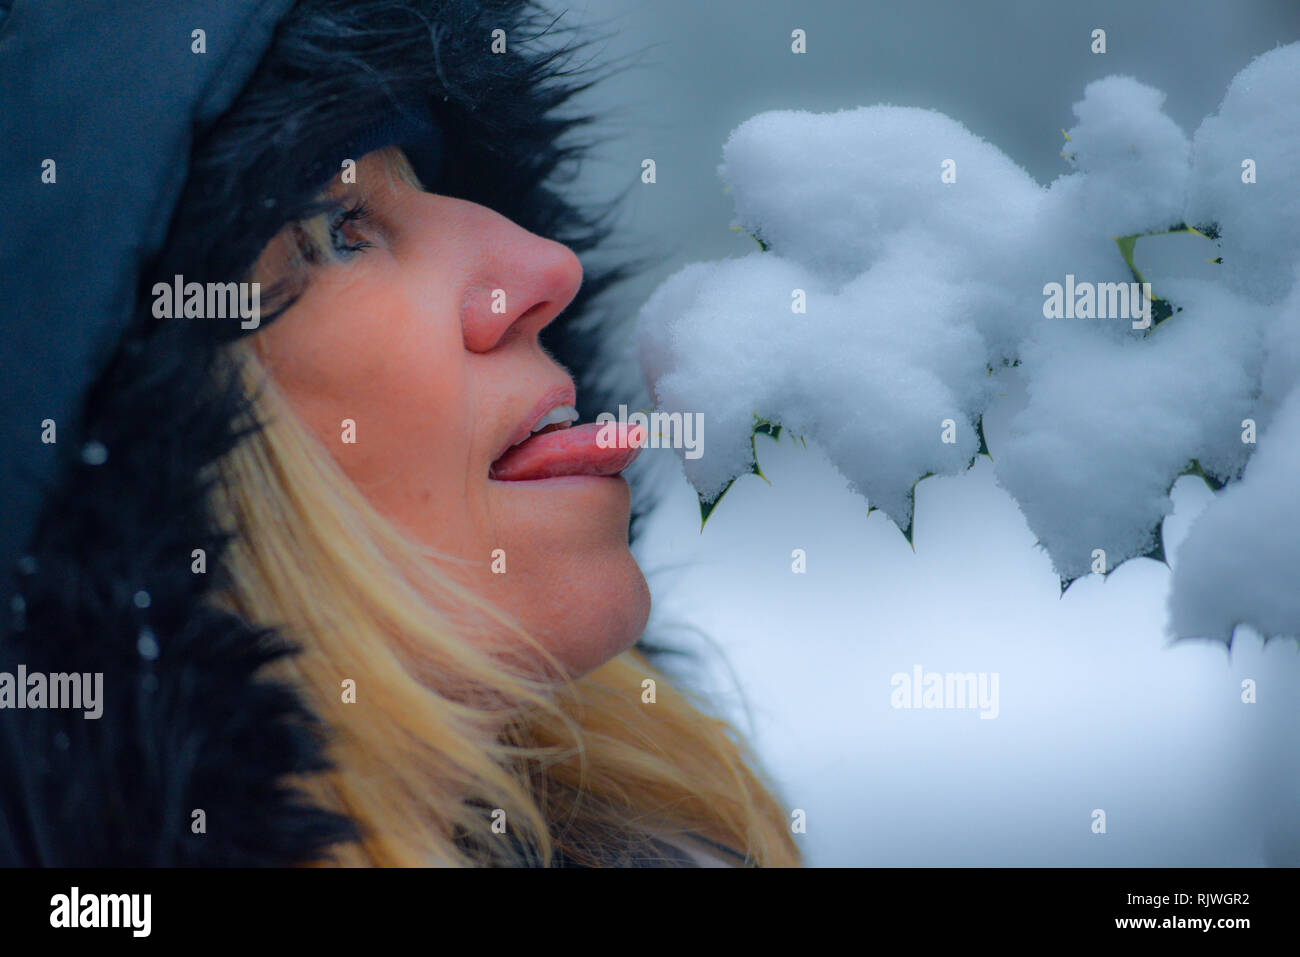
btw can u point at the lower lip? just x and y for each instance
(561, 481)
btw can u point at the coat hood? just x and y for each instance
(146, 140)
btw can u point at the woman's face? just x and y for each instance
(426, 341)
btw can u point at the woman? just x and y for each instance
(367, 457)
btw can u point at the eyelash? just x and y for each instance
(351, 214)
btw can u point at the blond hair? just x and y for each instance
(446, 740)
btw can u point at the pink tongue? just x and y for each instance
(571, 451)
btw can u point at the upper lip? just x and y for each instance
(564, 394)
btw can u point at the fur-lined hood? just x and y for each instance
(145, 140)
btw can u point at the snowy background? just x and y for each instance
(1097, 710)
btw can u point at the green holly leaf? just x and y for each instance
(761, 427)
(984, 445)
(1161, 309)
(911, 511)
(1064, 154)
(1194, 468)
(1126, 246)
(1155, 553)
(761, 245)
(708, 505)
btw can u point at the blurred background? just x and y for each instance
(1097, 709)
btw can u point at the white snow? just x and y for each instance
(1132, 160)
(922, 255)
(1258, 120)
(1111, 425)
(1241, 559)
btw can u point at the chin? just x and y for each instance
(599, 612)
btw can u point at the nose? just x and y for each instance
(526, 282)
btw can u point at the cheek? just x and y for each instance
(382, 383)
